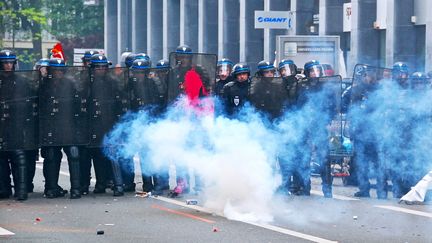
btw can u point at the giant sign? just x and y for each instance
(273, 19)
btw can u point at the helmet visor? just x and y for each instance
(224, 70)
(315, 71)
(287, 70)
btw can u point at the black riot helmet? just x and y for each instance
(43, 62)
(142, 56)
(265, 67)
(183, 56)
(87, 56)
(141, 64)
(240, 68)
(7, 56)
(287, 68)
(56, 62)
(99, 60)
(163, 64)
(400, 70)
(56, 67)
(313, 69)
(129, 60)
(419, 80)
(183, 49)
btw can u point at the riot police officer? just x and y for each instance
(313, 69)
(55, 90)
(179, 84)
(87, 56)
(148, 92)
(103, 109)
(310, 89)
(235, 93)
(400, 73)
(12, 88)
(223, 72)
(365, 83)
(288, 71)
(291, 173)
(265, 69)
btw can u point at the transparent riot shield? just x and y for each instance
(365, 80)
(19, 110)
(148, 89)
(109, 100)
(191, 74)
(269, 95)
(63, 116)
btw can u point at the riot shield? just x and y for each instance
(63, 116)
(191, 74)
(269, 95)
(19, 110)
(148, 88)
(109, 100)
(366, 79)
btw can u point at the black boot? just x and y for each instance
(85, 167)
(74, 171)
(147, 183)
(51, 168)
(118, 179)
(20, 163)
(31, 156)
(101, 166)
(327, 180)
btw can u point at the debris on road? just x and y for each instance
(215, 229)
(38, 219)
(355, 217)
(142, 194)
(191, 202)
(100, 232)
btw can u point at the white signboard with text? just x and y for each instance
(347, 17)
(273, 19)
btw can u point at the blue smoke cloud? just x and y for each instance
(239, 160)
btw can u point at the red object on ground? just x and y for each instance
(38, 219)
(215, 229)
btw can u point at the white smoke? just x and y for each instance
(234, 159)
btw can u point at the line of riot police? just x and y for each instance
(74, 107)
(59, 108)
(385, 107)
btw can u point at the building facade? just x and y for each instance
(375, 32)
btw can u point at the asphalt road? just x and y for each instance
(147, 219)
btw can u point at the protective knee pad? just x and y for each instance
(72, 152)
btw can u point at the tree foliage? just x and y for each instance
(71, 22)
(72, 19)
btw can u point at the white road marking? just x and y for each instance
(339, 197)
(405, 210)
(265, 226)
(5, 232)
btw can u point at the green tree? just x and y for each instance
(76, 25)
(25, 15)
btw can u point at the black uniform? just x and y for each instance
(235, 94)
